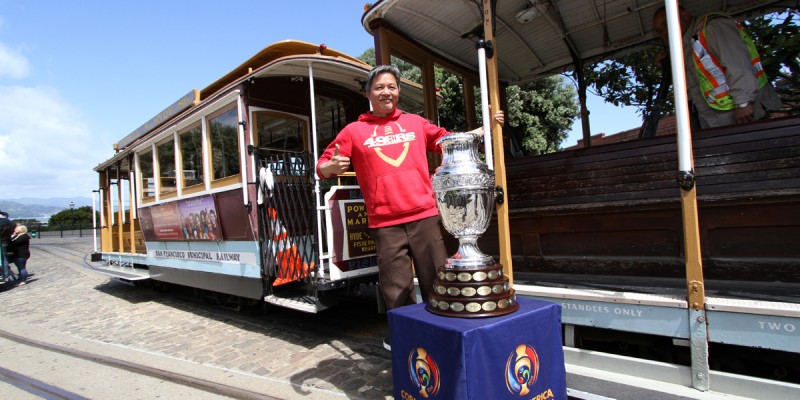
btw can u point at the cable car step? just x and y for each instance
(123, 273)
(304, 303)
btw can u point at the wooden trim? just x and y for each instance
(226, 181)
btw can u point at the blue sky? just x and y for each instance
(75, 77)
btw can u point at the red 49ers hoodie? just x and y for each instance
(388, 155)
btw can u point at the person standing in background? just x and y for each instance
(6, 230)
(19, 246)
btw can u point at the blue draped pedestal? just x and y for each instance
(514, 356)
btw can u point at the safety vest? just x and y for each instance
(711, 75)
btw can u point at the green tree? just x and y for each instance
(25, 221)
(69, 218)
(777, 36)
(630, 80)
(542, 112)
(451, 109)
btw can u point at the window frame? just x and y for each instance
(198, 186)
(233, 178)
(172, 191)
(143, 189)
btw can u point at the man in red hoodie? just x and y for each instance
(387, 148)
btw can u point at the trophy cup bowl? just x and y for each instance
(470, 284)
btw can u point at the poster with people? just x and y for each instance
(190, 219)
(199, 219)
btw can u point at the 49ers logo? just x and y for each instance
(390, 138)
(379, 141)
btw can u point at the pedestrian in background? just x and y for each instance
(19, 247)
(6, 230)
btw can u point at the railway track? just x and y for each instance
(38, 387)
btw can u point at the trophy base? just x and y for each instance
(472, 292)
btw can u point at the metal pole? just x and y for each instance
(691, 230)
(487, 131)
(242, 148)
(315, 159)
(72, 216)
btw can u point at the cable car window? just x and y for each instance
(192, 156)
(224, 144)
(146, 171)
(280, 131)
(166, 165)
(331, 118)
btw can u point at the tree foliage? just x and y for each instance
(542, 112)
(81, 216)
(777, 36)
(630, 80)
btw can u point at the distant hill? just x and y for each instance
(40, 209)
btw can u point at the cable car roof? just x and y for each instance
(286, 58)
(535, 37)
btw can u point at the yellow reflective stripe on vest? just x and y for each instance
(711, 75)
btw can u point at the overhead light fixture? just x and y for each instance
(528, 14)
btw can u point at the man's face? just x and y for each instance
(384, 94)
(660, 23)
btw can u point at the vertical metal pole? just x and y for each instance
(497, 139)
(691, 230)
(315, 158)
(134, 192)
(487, 131)
(242, 149)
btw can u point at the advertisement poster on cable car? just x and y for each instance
(199, 219)
(190, 219)
(353, 247)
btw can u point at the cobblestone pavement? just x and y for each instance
(284, 354)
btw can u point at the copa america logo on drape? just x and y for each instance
(424, 372)
(522, 369)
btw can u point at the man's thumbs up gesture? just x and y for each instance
(336, 165)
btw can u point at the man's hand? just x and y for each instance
(744, 114)
(336, 165)
(499, 116)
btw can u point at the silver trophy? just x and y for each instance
(470, 284)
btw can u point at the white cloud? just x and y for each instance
(45, 148)
(13, 63)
